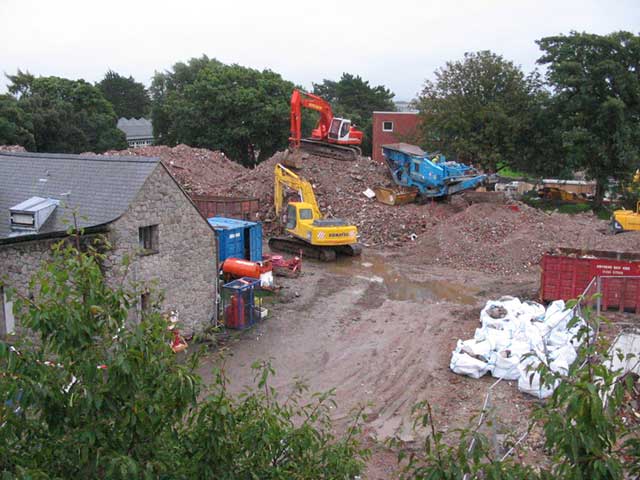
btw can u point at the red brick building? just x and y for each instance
(393, 127)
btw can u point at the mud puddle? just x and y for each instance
(398, 286)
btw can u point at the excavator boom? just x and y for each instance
(332, 137)
(284, 176)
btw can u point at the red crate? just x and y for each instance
(566, 273)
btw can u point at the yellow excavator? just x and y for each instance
(308, 231)
(624, 220)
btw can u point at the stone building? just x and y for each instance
(133, 201)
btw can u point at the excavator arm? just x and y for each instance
(301, 99)
(286, 178)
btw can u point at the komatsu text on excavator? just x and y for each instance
(333, 137)
(316, 237)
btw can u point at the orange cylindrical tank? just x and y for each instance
(241, 268)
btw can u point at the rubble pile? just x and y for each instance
(510, 240)
(339, 187)
(198, 170)
(487, 237)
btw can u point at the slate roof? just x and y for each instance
(100, 188)
(136, 128)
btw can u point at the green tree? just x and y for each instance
(205, 103)
(597, 87)
(67, 116)
(128, 97)
(96, 396)
(477, 109)
(15, 125)
(353, 98)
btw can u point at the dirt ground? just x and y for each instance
(380, 330)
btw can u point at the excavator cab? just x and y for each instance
(340, 130)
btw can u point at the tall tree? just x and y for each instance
(205, 103)
(15, 124)
(352, 97)
(476, 109)
(597, 85)
(67, 116)
(128, 97)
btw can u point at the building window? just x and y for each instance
(387, 126)
(148, 239)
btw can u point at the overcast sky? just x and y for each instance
(394, 43)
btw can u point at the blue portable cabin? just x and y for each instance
(237, 238)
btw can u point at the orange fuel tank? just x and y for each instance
(243, 268)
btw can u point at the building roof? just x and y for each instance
(136, 128)
(99, 188)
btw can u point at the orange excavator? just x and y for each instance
(332, 137)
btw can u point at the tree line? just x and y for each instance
(583, 114)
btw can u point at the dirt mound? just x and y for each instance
(511, 240)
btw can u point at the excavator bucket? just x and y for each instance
(294, 158)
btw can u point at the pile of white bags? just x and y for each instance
(512, 329)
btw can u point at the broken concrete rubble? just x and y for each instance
(482, 237)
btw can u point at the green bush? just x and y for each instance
(92, 395)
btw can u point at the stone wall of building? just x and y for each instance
(18, 263)
(183, 269)
(184, 266)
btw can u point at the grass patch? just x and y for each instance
(507, 172)
(573, 208)
(569, 208)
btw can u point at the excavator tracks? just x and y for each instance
(325, 254)
(347, 153)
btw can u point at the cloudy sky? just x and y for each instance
(395, 43)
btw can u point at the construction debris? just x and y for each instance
(483, 236)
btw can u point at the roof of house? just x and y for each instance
(136, 128)
(98, 188)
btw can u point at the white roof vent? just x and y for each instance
(30, 215)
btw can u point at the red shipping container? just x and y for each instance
(566, 273)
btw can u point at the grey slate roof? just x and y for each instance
(100, 188)
(136, 128)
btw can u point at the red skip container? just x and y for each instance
(566, 273)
